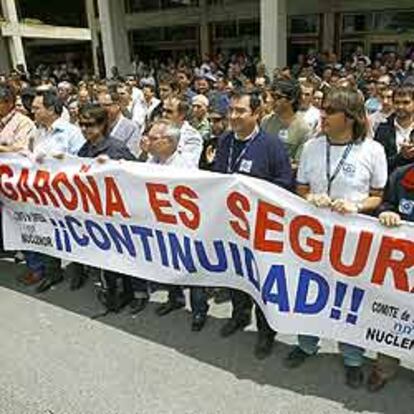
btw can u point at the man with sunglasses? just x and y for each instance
(286, 122)
(247, 149)
(346, 173)
(101, 146)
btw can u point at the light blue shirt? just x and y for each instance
(63, 137)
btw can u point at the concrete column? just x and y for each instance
(204, 32)
(114, 36)
(5, 63)
(328, 40)
(273, 33)
(15, 42)
(90, 11)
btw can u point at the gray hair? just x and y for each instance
(172, 130)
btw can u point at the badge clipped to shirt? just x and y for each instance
(246, 166)
(406, 207)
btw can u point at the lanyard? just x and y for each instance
(330, 178)
(231, 166)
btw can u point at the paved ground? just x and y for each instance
(55, 359)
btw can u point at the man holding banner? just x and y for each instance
(163, 140)
(249, 150)
(346, 173)
(398, 205)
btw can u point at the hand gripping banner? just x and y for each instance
(310, 270)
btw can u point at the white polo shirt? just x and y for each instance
(364, 168)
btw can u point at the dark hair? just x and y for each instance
(183, 108)
(406, 90)
(113, 93)
(289, 88)
(27, 96)
(187, 72)
(149, 86)
(7, 93)
(351, 103)
(255, 101)
(168, 80)
(51, 101)
(96, 113)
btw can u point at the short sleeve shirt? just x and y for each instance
(364, 168)
(62, 138)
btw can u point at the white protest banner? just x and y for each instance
(310, 270)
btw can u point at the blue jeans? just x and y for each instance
(34, 262)
(353, 355)
(198, 298)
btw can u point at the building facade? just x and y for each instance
(106, 33)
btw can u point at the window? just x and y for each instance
(392, 21)
(147, 35)
(177, 33)
(135, 6)
(296, 49)
(383, 48)
(169, 4)
(225, 30)
(249, 28)
(348, 48)
(57, 12)
(362, 22)
(308, 24)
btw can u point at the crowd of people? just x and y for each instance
(340, 135)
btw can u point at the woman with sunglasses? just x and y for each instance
(346, 173)
(93, 120)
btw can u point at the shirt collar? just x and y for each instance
(168, 161)
(253, 134)
(57, 125)
(401, 129)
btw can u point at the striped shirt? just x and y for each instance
(17, 131)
